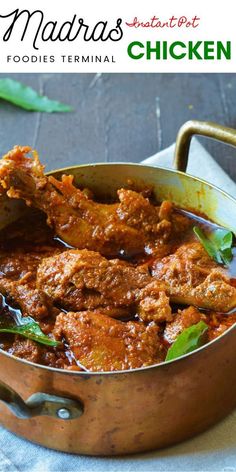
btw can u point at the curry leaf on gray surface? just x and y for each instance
(189, 340)
(25, 97)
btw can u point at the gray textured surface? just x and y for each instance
(124, 117)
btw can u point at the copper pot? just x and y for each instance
(143, 409)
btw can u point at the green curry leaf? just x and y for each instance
(189, 340)
(218, 244)
(25, 97)
(28, 328)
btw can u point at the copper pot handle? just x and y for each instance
(40, 404)
(202, 128)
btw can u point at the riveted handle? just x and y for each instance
(40, 404)
(202, 128)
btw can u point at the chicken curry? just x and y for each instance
(104, 286)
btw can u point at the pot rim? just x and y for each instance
(137, 164)
(153, 366)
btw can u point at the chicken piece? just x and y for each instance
(26, 349)
(193, 278)
(100, 343)
(137, 212)
(85, 280)
(31, 301)
(16, 264)
(127, 226)
(153, 303)
(182, 320)
(80, 280)
(39, 354)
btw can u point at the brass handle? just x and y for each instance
(40, 404)
(202, 128)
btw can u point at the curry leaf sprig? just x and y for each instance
(25, 97)
(189, 340)
(28, 328)
(218, 244)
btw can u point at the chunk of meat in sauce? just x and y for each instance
(32, 301)
(15, 265)
(193, 278)
(100, 343)
(34, 352)
(108, 228)
(80, 280)
(182, 320)
(18, 262)
(137, 212)
(26, 349)
(152, 303)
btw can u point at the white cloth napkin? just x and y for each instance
(213, 451)
(201, 164)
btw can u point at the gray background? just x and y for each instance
(119, 117)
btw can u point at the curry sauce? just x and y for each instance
(111, 285)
